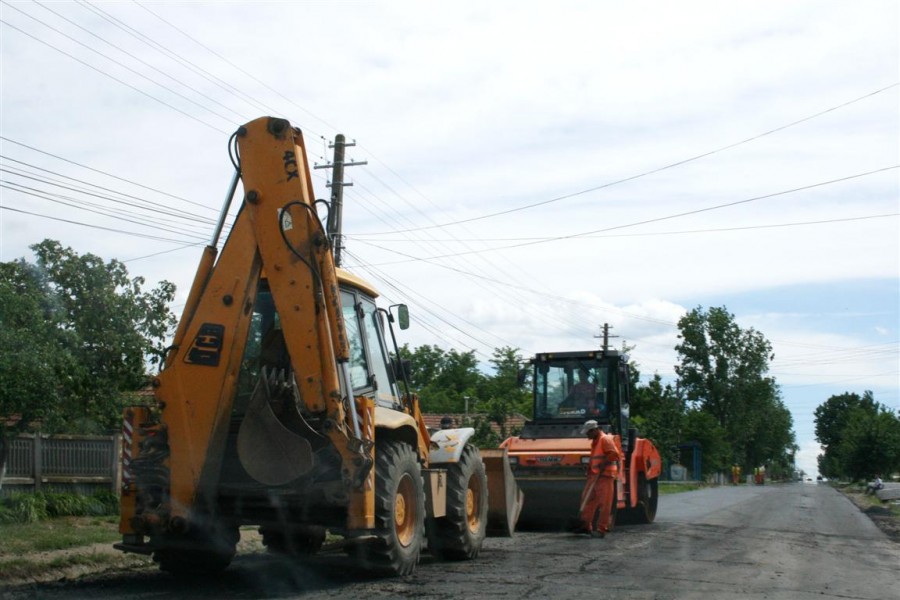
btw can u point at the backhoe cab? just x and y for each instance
(549, 457)
(279, 404)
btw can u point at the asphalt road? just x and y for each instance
(791, 541)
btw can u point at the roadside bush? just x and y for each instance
(28, 508)
(6, 516)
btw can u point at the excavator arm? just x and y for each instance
(276, 234)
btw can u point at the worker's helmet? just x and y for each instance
(588, 425)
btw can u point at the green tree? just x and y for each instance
(722, 370)
(859, 436)
(703, 428)
(658, 412)
(35, 354)
(503, 394)
(443, 379)
(75, 335)
(773, 443)
(832, 416)
(871, 444)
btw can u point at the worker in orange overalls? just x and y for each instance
(599, 489)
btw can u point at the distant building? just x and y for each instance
(514, 422)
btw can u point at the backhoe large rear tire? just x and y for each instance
(460, 534)
(399, 510)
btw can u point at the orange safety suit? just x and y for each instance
(599, 489)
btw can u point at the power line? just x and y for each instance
(232, 64)
(116, 79)
(124, 66)
(186, 246)
(654, 220)
(169, 54)
(131, 233)
(646, 173)
(141, 203)
(117, 215)
(140, 60)
(484, 280)
(363, 238)
(128, 181)
(522, 288)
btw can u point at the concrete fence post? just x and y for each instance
(38, 457)
(116, 464)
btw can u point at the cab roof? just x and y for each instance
(348, 278)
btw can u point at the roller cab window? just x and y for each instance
(571, 389)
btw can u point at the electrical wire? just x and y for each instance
(116, 79)
(658, 219)
(363, 238)
(650, 172)
(122, 179)
(114, 61)
(92, 226)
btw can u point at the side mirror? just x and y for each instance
(402, 316)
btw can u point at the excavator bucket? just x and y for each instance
(505, 499)
(271, 453)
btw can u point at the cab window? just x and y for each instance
(359, 367)
(368, 353)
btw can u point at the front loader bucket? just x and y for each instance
(505, 499)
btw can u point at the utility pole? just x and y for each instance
(604, 333)
(335, 207)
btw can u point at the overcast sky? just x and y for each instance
(535, 169)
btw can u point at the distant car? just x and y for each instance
(809, 478)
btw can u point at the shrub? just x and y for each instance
(22, 507)
(26, 508)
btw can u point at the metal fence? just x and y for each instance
(63, 463)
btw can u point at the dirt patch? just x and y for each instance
(882, 516)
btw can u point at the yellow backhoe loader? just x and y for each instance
(280, 405)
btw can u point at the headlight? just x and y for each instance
(513, 460)
(585, 460)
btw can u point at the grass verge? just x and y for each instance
(64, 547)
(56, 534)
(670, 487)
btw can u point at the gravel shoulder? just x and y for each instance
(882, 516)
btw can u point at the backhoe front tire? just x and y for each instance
(399, 509)
(460, 534)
